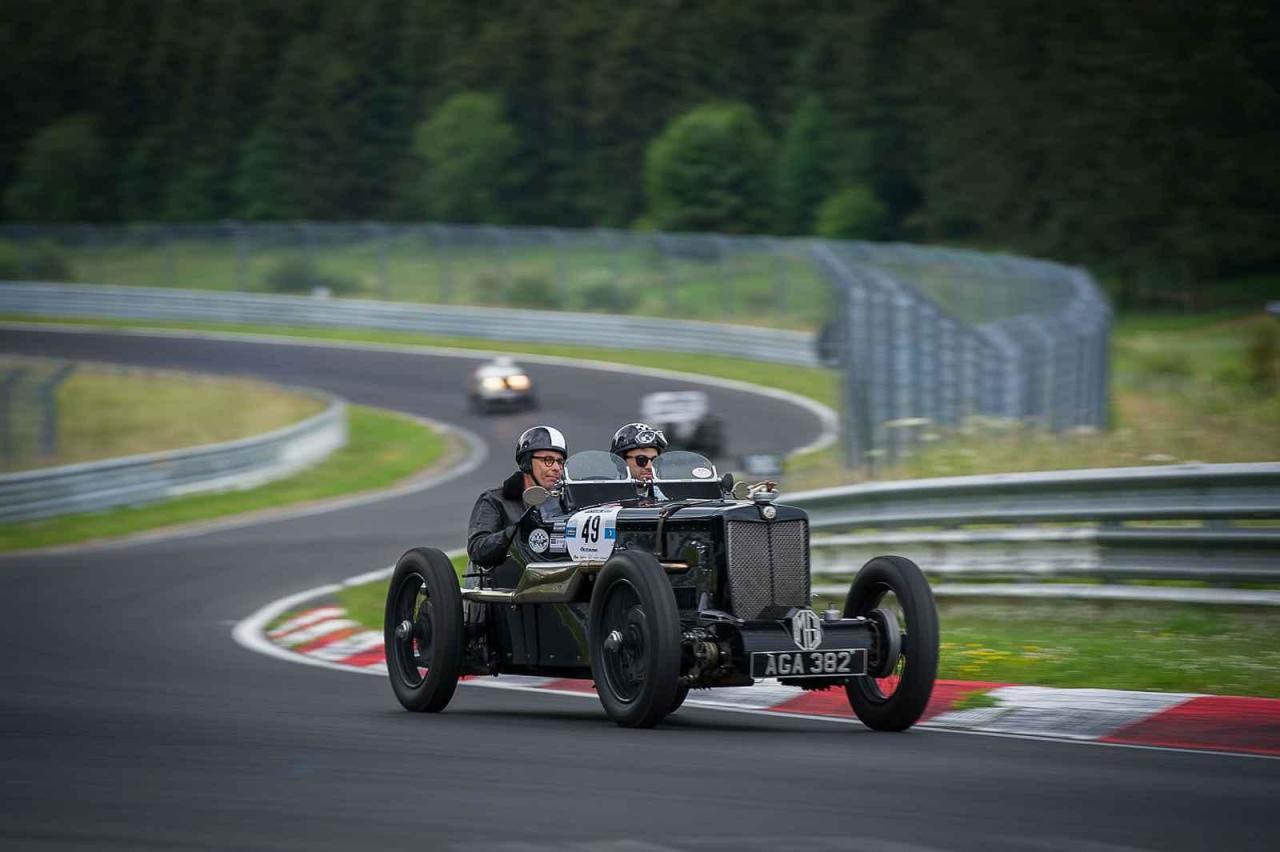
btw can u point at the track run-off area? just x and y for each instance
(133, 719)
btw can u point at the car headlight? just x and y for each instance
(518, 382)
(491, 383)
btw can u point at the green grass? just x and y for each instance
(1163, 647)
(383, 448)
(1184, 389)
(365, 602)
(105, 411)
(1157, 647)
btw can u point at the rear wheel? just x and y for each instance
(422, 630)
(894, 596)
(634, 635)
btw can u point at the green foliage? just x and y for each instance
(466, 150)
(61, 174)
(606, 297)
(853, 213)
(710, 171)
(1148, 155)
(40, 261)
(806, 160)
(299, 275)
(533, 292)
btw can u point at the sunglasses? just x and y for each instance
(549, 461)
(642, 461)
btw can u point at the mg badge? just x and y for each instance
(806, 630)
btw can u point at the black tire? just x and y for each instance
(636, 672)
(424, 595)
(896, 702)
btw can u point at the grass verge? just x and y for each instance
(383, 448)
(106, 411)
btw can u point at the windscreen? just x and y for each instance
(682, 465)
(595, 466)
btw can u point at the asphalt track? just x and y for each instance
(130, 719)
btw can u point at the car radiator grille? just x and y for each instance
(768, 565)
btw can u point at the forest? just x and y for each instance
(1137, 138)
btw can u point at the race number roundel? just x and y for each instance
(592, 533)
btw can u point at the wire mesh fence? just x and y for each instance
(29, 411)
(927, 339)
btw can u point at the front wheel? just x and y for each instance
(422, 630)
(634, 632)
(894, 596)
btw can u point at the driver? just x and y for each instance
(540, 454)
(638, 444)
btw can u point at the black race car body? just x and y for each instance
(655, 588)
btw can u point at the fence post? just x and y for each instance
(7, 386)
(241, 240)
(49, 404)
(440, 238)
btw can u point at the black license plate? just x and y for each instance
(842, 663)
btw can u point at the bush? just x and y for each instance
(41, 261)
(532, 292)
(711, 170)
(853, 213)
(605, 297)
(299, 275)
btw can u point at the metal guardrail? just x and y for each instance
(761, 344)
(134, 480)
(1121, 540)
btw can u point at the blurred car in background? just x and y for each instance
(685, 418)
(501, 385)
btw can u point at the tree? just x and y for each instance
(61, 175)
(710, 170)
(853, 213)
(466, 150)
(805, 166)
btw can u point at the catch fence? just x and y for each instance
(927, 340)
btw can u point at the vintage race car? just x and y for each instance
(501, 384)
(651, 589)
(686, 420)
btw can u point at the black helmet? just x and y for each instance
(538, 438)
(633, 436)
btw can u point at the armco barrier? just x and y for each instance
(623, 332)
(1108, 524)
(146, 478)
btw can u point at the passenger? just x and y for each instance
(540, 454)
(638, 444)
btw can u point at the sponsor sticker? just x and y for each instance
(592, 533)
(701, 472)
(539, 540)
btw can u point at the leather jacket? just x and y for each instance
(493, 521)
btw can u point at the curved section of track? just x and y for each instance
(131, 719)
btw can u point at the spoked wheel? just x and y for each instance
(635, 640)
(422, 630)
(894, 596)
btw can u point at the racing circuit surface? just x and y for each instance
(130, 719)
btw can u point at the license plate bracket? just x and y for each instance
(834, 662)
